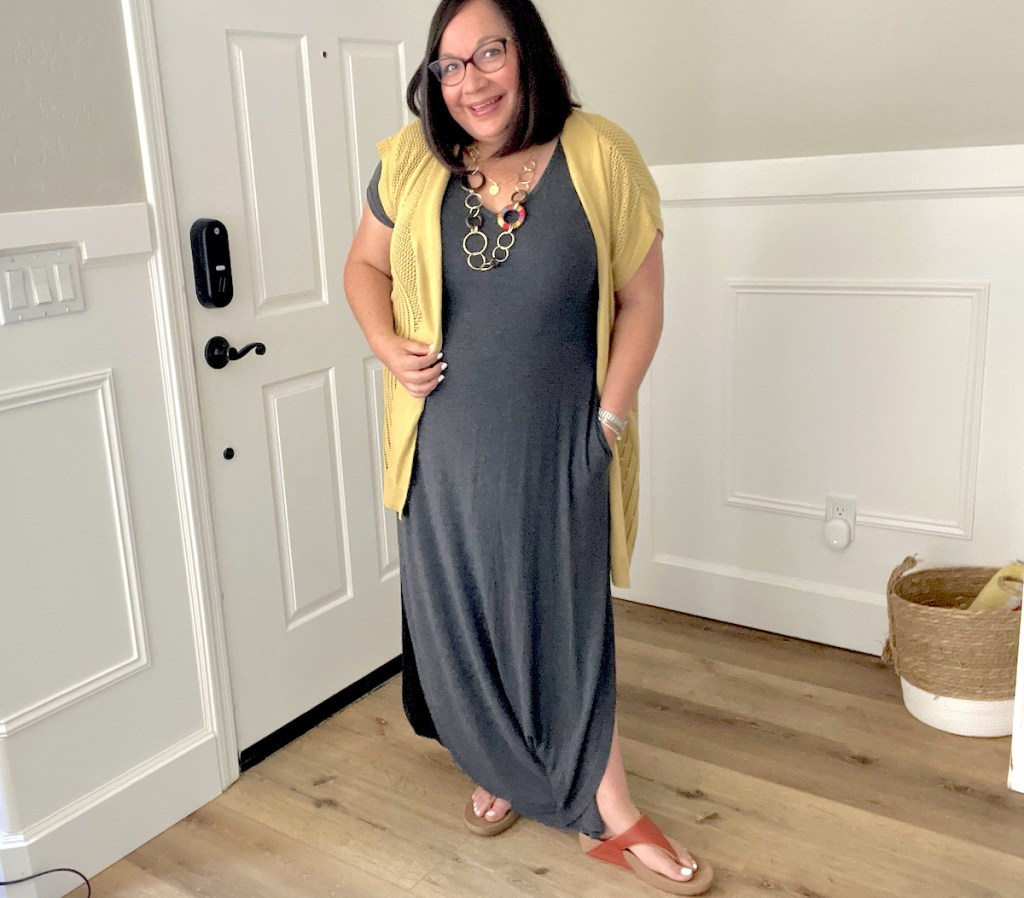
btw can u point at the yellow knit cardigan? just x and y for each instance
(621, 202)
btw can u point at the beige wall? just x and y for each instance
(693, 80)
(67, 121)
(714, 80)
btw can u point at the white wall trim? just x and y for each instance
(855, 619)
(101, 232)
(100, 383)
(93, 800)
(114, 819)
(171, 296)
(768, 579)
(977, 294)
(904, 175)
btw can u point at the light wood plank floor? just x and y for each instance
(792, 767)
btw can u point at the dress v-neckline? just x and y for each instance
(533, 189)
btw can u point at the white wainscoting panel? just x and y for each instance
(62, 457)
(105, 738)
(845, 325)
(816, 371)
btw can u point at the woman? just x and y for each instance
(517, 240)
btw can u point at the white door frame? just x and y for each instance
(171, 294)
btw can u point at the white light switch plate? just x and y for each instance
(39, 283)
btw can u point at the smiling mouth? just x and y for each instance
(485, 107)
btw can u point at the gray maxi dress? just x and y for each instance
(508, 645)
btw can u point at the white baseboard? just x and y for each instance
(110, 824)
(823, 613)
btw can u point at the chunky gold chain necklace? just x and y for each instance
(509, 219)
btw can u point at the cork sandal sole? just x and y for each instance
(646, 832)
(481, 826)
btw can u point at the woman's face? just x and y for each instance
(484, 103)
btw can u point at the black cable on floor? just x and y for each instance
(14, 882)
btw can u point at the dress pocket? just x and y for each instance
(601, 438)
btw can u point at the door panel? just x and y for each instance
(278, 170)
(303, 431)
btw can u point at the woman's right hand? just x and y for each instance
(417, 366)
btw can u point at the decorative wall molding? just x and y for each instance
(904, 175)
(926, 192)
(976, 294)
(100, 384)
(93, 800)
(102, 232)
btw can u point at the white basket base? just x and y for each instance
(962, 716)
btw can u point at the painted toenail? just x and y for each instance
(492, 813)
(686, 872)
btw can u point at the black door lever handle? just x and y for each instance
(219, 352)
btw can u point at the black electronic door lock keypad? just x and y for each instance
(211, 262)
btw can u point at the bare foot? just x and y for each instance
(488, 806)
(650, 855)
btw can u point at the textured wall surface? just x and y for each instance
(716, 80)
(68, 133)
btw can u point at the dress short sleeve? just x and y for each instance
(373, 199)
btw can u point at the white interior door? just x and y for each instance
(273, 111)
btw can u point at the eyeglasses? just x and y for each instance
(450, 70)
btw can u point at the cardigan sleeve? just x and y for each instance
(635, 205)
(387, 187)
(397, 154)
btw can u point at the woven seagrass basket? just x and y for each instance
(958, 668)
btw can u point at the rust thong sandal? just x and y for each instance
(646, 832)
(484, 827)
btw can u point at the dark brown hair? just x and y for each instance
(545, 96)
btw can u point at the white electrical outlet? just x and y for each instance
(844, 509)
